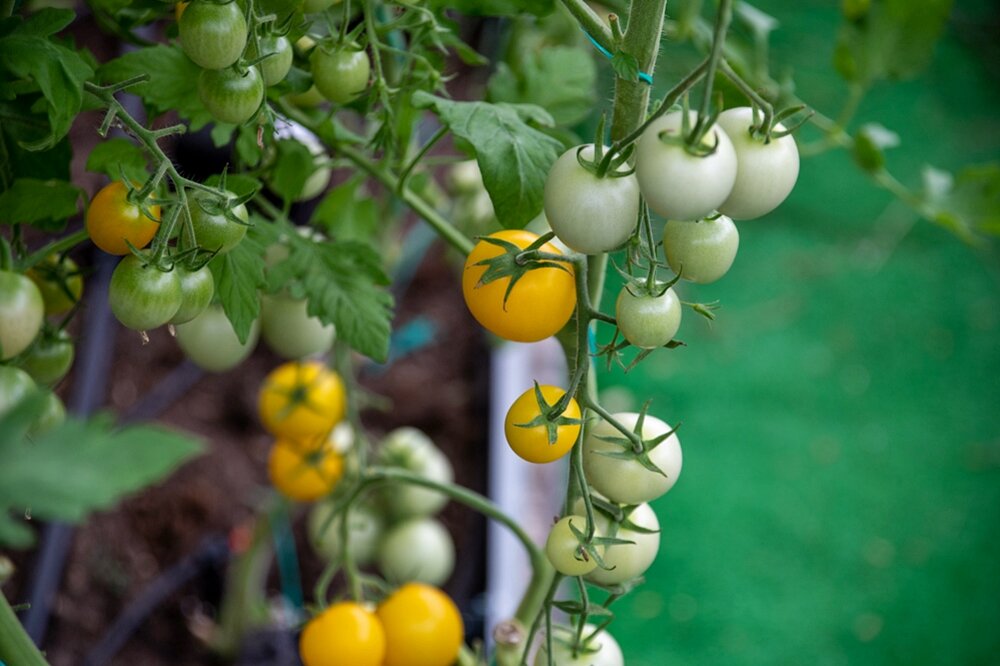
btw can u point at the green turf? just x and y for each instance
(840, 500)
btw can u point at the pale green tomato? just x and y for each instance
(589, 214)
(52, 416)
(648, 321)
(625, 561)
(701, 251)
(765, 173)
(602, 650)
(364, 530)
(290, 331)
(211, 343)
(626, 481)
(21, 313)
(417, 550)
(412, 450)
(563, 548)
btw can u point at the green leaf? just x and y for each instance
(29, 58)
(77, 468)
(345, 214)
(110, 157)
(172, 84)
(51, 164)
(344, 284)
(967, 204)
(626, 66)
(889, 39)
(294, 164)
(513, 156)
(34, 201)
(560, 79)
(494, 7)
(238, 275)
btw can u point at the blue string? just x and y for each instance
(643, 76)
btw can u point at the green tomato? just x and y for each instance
(701, 251)
(275, 67)
(60, 282)
(143, 297)
(627, 481)
(412, 450)
(213, 35)
(21, 312)
(231, 96)
(290, 331)
(625, 561)
(563, 548)
(197, 290)
(15, 386)
(589, 214)
(648, 321)
(49, 359)
(213, 227)
(602, 650)
(53, 415)
(211, 343)
(341, 76)
(417, 550)
(364, 531)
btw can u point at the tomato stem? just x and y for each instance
(53, 248)
(16, 647)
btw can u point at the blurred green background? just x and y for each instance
(840, 501)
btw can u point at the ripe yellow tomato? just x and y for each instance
(540, 303)
(301, 400)
(112, 220)
(533, 443)
(422, 627)
(345, 634)
(304, 473)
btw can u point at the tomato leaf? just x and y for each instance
(495, 7)
(238, 275)
(626, 66)
(172, 81)
(110, 157)
(78, 467)
(344, 213)
(560, 79)
(295, 163)
(514, 156)
(344, 284)
(38, 202)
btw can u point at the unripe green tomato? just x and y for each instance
(211, 343)
(274, 68)
(21, 312)
(625, 480)
(15, 386)
(603, 650)
(290, 331)
(213, 35)
(364, 531)
(49, 359)
(197, 290)
(417, 550)
(53, 415)
(414, 451)
(701, 251)
(213, 229)
(309, 99)
(563, 548)
(341, 75)
(648, 321)
(625, 561)
(142, 296)
(231, 96)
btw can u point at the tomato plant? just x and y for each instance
(701, 251)
(345, 634)
(422, 627)
(648, 320)
(538, 304)
(275, 67)
(213, 34)
(625, 561)
(218, 225)
(290, 331)
(365, 527)
(197, 289)
(417, 549)
(211, 343)
(142, 296)
(114, 222)
(413, 451)
(230, 95)
(49, 358)
(564, 549)
(340, 75)
(534, 436)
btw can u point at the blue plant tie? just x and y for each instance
(643, 76)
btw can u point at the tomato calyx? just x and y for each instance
(551, 416)
(515, 262)
(592, 545)
(634, 446)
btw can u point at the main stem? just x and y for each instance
(15, 645)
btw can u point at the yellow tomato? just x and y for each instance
(345, 634)
(422, 627)
(540, 304)
(534, 443)
(113, 221)
(304, 474)
(301, 400)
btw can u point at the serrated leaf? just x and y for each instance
(78, 467)
(172, 83)
(293, 166)
(239, 274)
(344, 284)
(345, 214)
(514, 157)
(626, 66)
(110, 157)
(891, 39)
(34, 201)
(560, 79)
